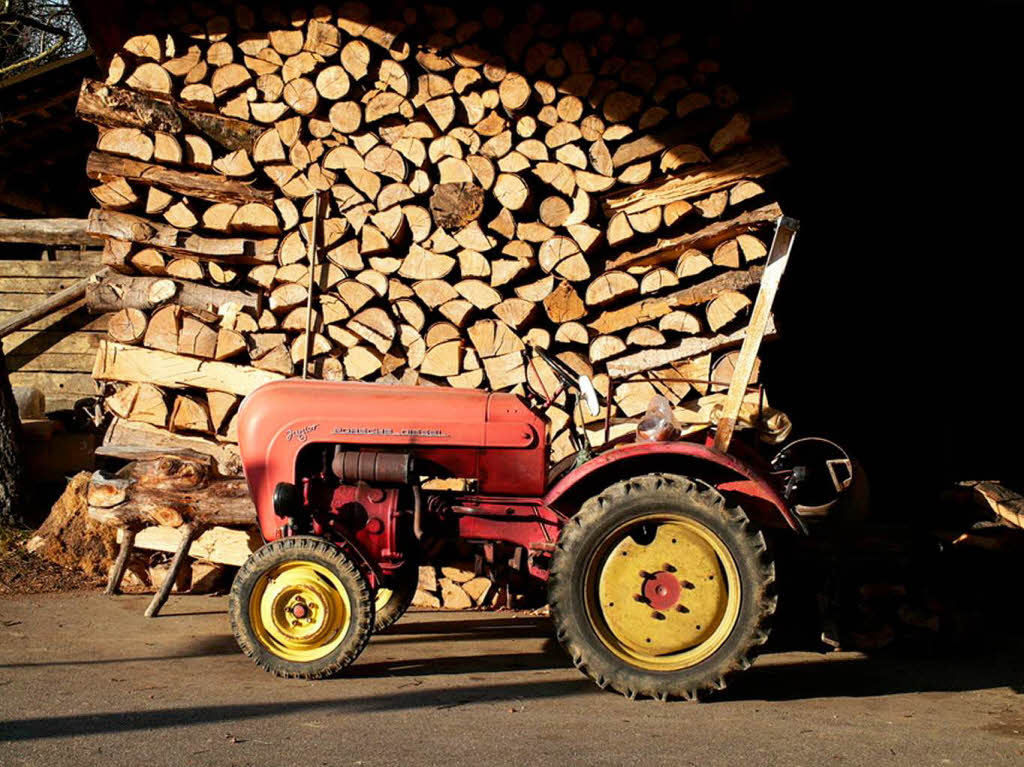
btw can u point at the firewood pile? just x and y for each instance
(477, 183)
(458, 587)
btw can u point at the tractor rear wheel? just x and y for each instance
(301, 608)
(392, 600)
(659, 588)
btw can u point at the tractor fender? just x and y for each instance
(618, 463)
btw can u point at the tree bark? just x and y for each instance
(124, 292)
(114, 107)
(207, 186)
(12, 470)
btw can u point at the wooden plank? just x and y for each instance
(81, 267)
(82, 254)
(54, 362)
(223, 545)
(38, 285)
(56, 301)
(760, 318)
(117, 362)
(67, 384)
(69, 319)
(26, 342)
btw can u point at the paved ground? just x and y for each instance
(87, 680)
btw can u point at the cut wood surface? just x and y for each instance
(223, 545)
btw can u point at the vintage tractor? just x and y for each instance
(658, 576)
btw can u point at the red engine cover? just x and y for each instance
(493, 438)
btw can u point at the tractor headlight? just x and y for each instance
(287, 499)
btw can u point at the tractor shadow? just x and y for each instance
(860, 677)
(785, 673)
(448, 633)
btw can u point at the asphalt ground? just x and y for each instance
(86, 679)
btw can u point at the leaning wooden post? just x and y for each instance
(117, 574)
(188, 534)
(314, 226)
(785, 232)
(57, 301)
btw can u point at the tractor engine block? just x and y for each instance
(368, 516)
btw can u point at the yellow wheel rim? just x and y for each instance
(662, 592)
(300, 611)
(383, 597)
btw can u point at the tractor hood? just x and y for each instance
(494, 438)
(375, 414)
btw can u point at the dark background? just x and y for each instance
(901, 309)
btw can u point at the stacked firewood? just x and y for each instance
(457, 587)
(454, 188)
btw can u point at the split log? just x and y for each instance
(704, 239)
(117, 362)
(702, 180)
(651, 359)
(652, 308)
(140, 441)
(124, 226)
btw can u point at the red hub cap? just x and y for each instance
(299, 611)
(662, 591)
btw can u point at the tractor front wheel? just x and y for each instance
(659, 588)
(300, 608)
(393, 599)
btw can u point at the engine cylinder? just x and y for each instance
(372, 466)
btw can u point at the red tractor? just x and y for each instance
(658, 576)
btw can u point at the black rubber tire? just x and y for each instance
(604, 513)
(311, 549)
(403, 588)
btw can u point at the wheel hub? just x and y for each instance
(664, 602)
(661, 590)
